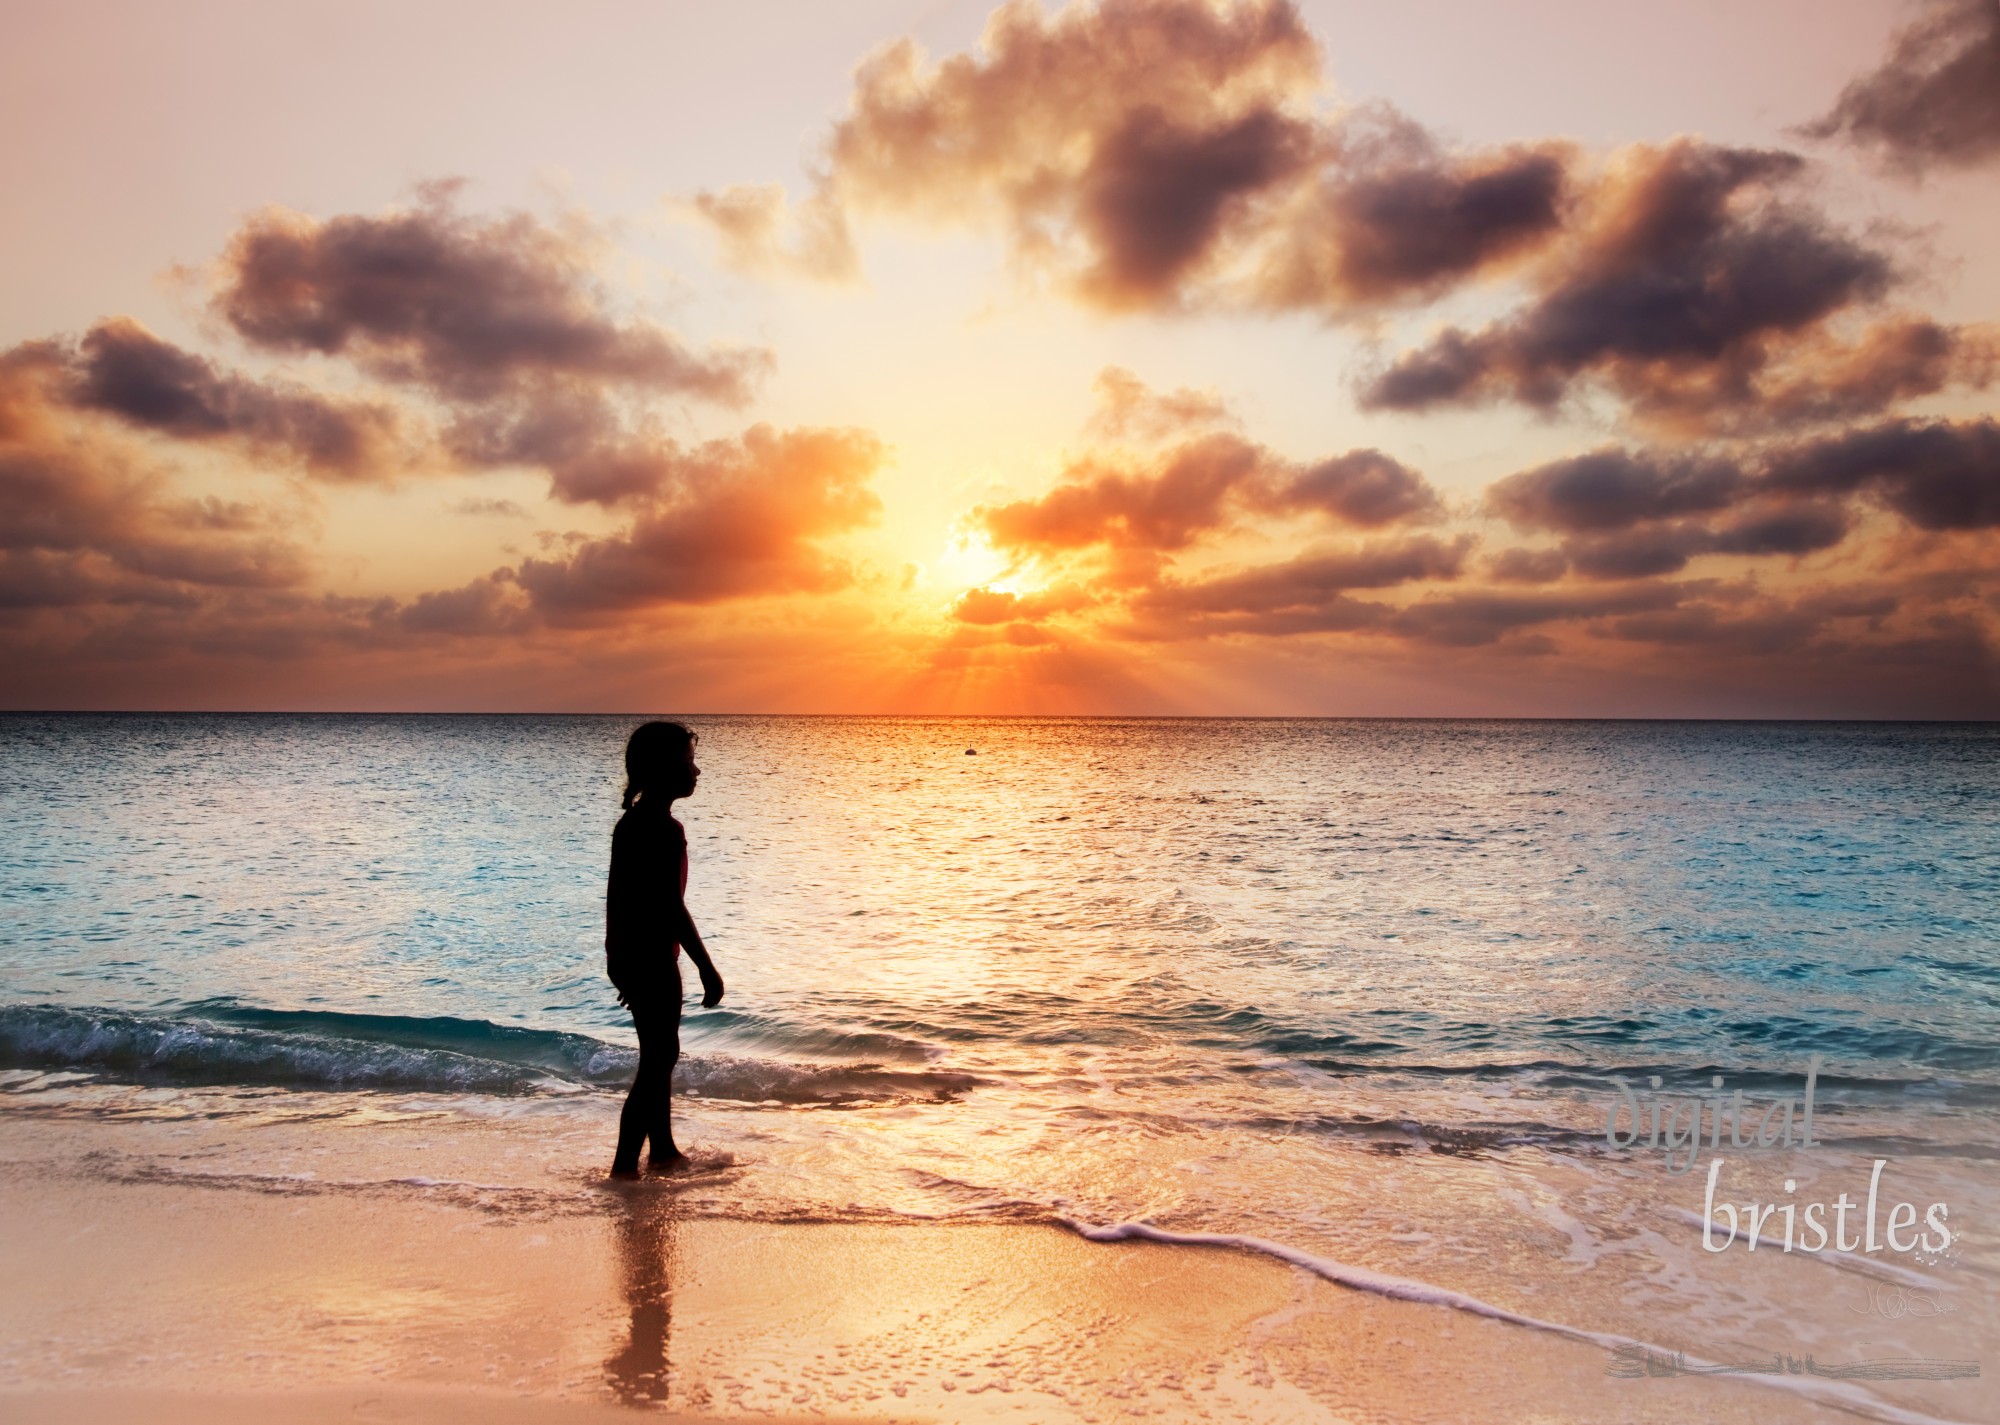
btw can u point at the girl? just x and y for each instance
(647, 926)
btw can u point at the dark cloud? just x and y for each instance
(485, 607)
(1689, 271)
(1473, 618)
(1281, 594)
(1615, 489)
(1362, 487)
(1772, 627)
(1935, 100)
(1396, 216)
(126, 371)
(1790, 529)
(1635, 514)
(1938, 475)
(469, 308)
(1158, 154)
(1527, 566)
(592, 452)
(1153, 199)
(735, 518)
(122, 371)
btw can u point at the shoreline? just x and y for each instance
(142, 1296)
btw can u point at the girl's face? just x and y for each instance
(681, 776)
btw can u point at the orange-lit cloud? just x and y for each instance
(1195, 482)
(1140, 544)
(488, 344)
(88, 521)
(738, 517)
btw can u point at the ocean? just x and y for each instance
(1365, 995)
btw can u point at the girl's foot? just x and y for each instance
(624, 1174)
(673, 1162)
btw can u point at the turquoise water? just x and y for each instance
(1354, 987)
(1350, 895)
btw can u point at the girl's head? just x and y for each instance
(659, 762)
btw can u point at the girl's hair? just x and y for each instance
(656, 749)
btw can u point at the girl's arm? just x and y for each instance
(690, 939)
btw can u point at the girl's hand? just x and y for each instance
(711, 990)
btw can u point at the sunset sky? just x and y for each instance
(1449, 358)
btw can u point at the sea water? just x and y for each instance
(1362, 993)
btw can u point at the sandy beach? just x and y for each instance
(405, 1298)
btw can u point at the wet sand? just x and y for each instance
(133, 1295)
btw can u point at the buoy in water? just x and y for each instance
(972, 751)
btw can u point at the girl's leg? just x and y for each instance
(633, 1119)
(648, 1111)
(660, 1048)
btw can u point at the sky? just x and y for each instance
(1154, 357)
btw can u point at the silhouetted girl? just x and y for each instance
(647, 926)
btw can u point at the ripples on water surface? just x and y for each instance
(1350, 985)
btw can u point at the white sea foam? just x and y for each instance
(1841, 1395)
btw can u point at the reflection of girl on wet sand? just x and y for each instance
(639, 1374)
(647, 926)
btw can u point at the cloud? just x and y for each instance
(1473, 618)
(1128, 409)
(485, 607)
(593, 453)
(1363, 487)
(1690, 269)
(735, 518)
(1935, 100)
(1164, 500)
(762, 233)
(1628, 514)
(1165, 504)
(1614, 489)
(1153, 200)
(1131, 134)
(1938, 475)
(1305, 593)
(984, 606)
(1822, 379)
(1394, 216)
(1173, 155)
(84, 520)
(1791, 529)
(467, 308)
(1157, 155)
(1520, 565)
(125, 371)
(487, 505)
(120, 370)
